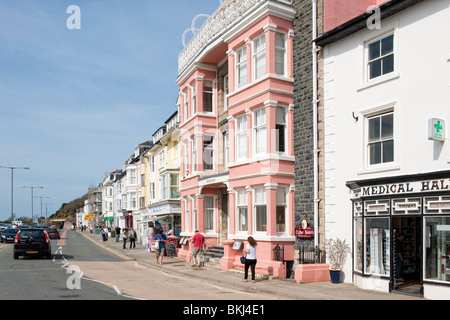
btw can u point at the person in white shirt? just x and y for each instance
(250, 255)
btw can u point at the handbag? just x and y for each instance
(243, 258)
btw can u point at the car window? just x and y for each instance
(33, 234)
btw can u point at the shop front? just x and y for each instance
(401, 234)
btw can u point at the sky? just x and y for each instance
(74, 103)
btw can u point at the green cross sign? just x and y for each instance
(438, 126)
(436, 129)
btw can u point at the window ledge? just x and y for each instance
(379, 80)
(378, 169)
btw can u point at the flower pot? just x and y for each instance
(335, 276)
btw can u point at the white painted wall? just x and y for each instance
(419, 89)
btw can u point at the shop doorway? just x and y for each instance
(407, 255)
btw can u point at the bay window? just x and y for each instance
(241, 137)
(208, 152)
(280, 127)
(208, 96)
(208, 212)
(280, 53)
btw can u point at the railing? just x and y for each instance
(227, 13)
(311, 255)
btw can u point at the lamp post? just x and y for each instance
(12, 187)
(32, 188)
(41, 202)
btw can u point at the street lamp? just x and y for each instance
(41, 202)
(32, 188)
(12, 187)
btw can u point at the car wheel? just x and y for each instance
(49, 256)
(16, 256)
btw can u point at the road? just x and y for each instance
(82, 270)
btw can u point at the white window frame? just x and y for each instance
(209, 211)
(259, 128)
(186, 158)
(257, 53)
(381, 57)
(256, 204)
(151, 161)
(208, 149)
(132, 180)
(186, 216)
(205, 82)
(381, 167)
(194, 154)
(241, 133)
(283, 51)
(161, 158)
(164, 186)
(152, 191)
(240, 63)
(282, 201)
(193, 99)
(279, 123)
(133, 200)
(241, 194)
(186, 106)
(225, 91)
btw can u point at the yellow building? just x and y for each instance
(162, 178)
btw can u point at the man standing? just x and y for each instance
(117, 233)
(199, 243)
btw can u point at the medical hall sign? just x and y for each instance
(403, 188)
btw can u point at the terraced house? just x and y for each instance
(236, 132)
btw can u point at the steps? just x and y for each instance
(213, 255)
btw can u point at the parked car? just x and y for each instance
(32, 242)
(53, 233)
(8, 235)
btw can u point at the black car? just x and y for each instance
(8, 235)
(32, 242)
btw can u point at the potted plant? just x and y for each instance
(337, 250)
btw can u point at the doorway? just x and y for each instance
(407, 255)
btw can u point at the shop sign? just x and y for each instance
(165, 209)
(306, 233)
(376, 207)
(439, 205)
(436, 129)
(403, 188)
(406, 206)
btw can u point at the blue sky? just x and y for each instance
(75, 103)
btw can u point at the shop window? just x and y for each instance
(260, 209)
(358, 241)
(377, 246)
(242, 210)
(437, 245)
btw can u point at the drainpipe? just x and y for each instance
(316, 150)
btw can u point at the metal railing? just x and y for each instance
(311, 255)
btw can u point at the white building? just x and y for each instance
(386, 161)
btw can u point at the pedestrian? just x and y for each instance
(117, 233)
(132, 236)
(161, 240)
(104, 234)
(399, 250)
(124, 237)
(197, 252)
(250, 261)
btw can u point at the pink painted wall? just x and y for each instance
(337, 12)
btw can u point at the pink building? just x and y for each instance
(236, 141)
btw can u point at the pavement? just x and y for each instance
(279, 288)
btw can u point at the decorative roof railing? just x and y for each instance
(229, 12)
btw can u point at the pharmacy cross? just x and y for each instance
(438, 126)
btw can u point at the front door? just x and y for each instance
(406, 249)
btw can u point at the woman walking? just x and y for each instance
(250, 255)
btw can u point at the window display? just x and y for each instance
(377, 246)
(437, 245)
